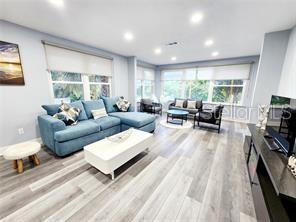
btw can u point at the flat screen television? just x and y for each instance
(281, 124)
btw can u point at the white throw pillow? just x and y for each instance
(179, 103)
(99, 113)
(191, 104)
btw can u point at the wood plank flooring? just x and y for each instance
(187, 175)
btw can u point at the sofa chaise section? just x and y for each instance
(142, 121)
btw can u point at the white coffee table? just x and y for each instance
(107, 156)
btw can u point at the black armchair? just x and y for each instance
(210, 116)
(147, 105)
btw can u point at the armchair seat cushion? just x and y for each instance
(206, 116)
(157, 108)
(134, 119)
(82, 128)
(107, 122)
(191, 111)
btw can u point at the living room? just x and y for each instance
(147, 110)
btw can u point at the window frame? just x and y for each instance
(84, 82)
(211, 90)
(142, 88)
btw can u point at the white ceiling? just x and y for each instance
(237, 26)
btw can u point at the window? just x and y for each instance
(144, 83)
(69, 87)
(228, 91)
(207, 83)
(99, 86)
(76, 75)
(197, 89)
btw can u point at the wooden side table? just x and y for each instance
(19, 151)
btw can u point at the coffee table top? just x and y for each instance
(107, 150)
(177, 112)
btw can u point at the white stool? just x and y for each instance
(17, 152)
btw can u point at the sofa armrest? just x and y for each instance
(171, 104)
(48, 126)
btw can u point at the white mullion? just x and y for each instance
(86, 87)
(211, 89)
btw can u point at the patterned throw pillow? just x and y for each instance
(68, 114)
(123, 104)
(99, 113)
(179, 103)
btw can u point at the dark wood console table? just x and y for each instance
(273, 185)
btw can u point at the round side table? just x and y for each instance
(17, 152)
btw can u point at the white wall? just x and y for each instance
(287, 85)
(271, 62)
(20, 105)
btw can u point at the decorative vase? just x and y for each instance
(121, 137)
(262, 116)
(292, 165)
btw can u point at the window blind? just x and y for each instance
(179, 74)
(145, 73)
(224, 72)
(66, 60)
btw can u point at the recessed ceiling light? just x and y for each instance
(128, 36)
(215, 53)
(196, 18)
(209, 42)
(157, 51)
(174, 58)
(57, 3)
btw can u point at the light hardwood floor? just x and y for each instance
(187, 175)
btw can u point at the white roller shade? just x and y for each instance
(60, 59)
(179, 74)
(145, 73)
(224, 72)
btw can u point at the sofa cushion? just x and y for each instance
(92, 105)
(179, 103)
(54, 108)
(198, 104)
(134, 119)
(82, 128)
(107, 122)
(191, 104)
(51, 109)
(78, 104)
(110, 104)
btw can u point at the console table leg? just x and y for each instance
(112, 175)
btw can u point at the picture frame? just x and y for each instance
(11, 71)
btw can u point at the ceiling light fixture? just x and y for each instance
(57, 3)
(128, 36)
(157, 51)
(209, 42)
(196, 18)
(215, 53)
(174, 58)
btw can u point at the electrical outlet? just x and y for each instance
(21, 131)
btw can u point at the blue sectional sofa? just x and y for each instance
(64, 140)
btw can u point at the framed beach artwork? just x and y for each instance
(11, 72)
